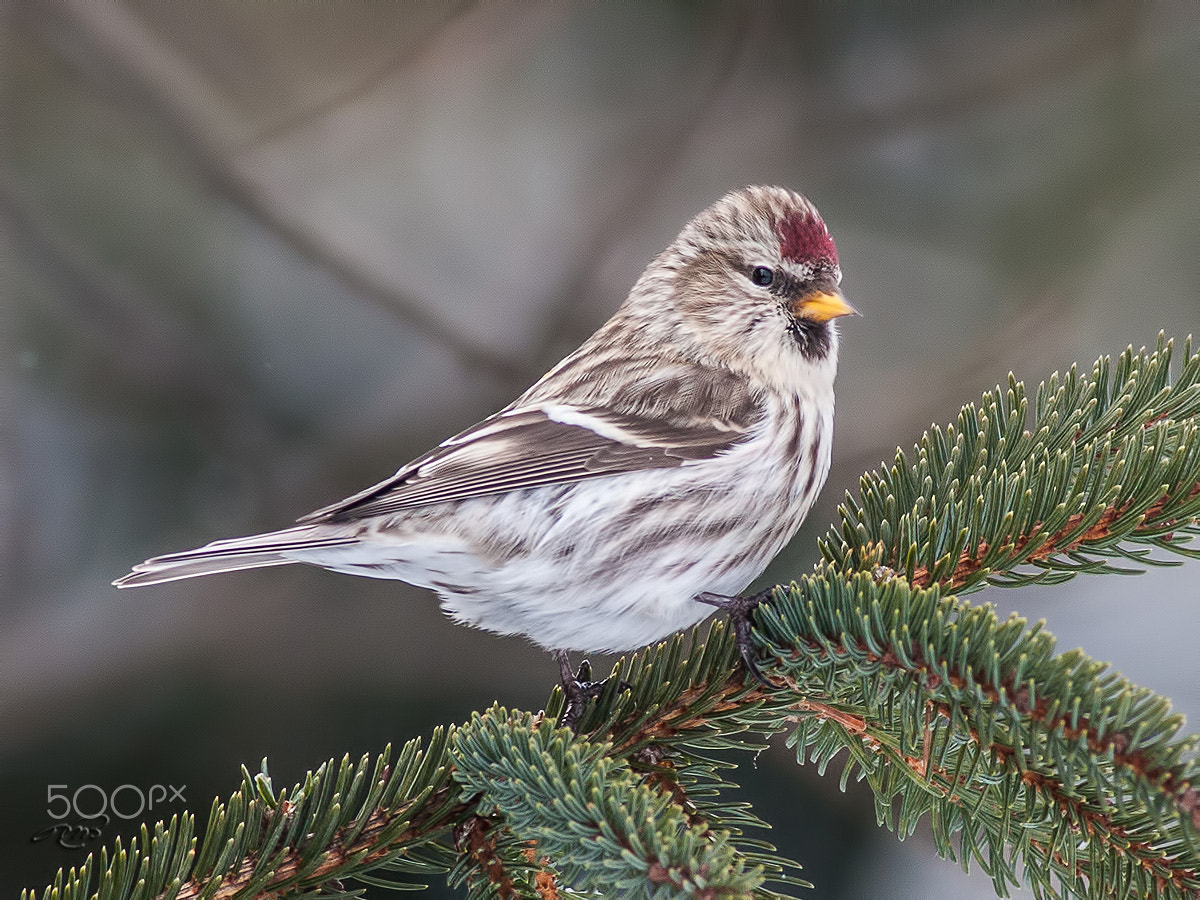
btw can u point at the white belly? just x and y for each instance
(606, 564)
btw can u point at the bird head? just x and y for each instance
(752, 282)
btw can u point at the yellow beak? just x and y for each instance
(821, 307)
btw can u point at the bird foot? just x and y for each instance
(740, 610)
(578, 688)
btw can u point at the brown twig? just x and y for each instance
(472, 837)
(969, 561)
(423, 825)
(543, 880)
(1097, 823)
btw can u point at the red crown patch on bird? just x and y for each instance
(803, 239)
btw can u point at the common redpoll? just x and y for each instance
(664, 462)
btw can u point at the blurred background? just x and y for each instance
(258, 255)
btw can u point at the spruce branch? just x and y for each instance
(495, 864)
(1012, 495)
(344, 819)
(1021, 753)
(578, 804)
(1035, 765)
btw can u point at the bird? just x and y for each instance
(645, 479)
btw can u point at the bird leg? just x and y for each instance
(740, 610)
(578, 688)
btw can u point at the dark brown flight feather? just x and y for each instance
(526, 448)
(653, 423)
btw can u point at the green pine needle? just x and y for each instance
(1041, 768)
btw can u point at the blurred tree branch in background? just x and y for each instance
(121, 47)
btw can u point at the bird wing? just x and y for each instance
(539, 444)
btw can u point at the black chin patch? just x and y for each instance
(812, 338)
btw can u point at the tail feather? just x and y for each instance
(230, 555)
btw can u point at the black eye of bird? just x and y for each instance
(762, 276)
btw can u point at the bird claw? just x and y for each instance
(740, 609)
(578, 688)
